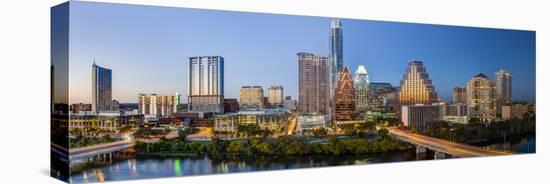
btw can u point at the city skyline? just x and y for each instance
(275, 92)
(157, 64)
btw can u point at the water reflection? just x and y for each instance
(167, 167)
(158, 167)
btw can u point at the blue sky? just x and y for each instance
(147, 49)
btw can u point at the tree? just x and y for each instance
(320, 132)
(370, 126)
(384, 133)
(317, 148)
(216, 147)
(334, 146)
(182, 134)
(264, 148)
(239, 147)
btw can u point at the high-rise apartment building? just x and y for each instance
(459, 95)
(313, 84)
(416, 87)
(503, 84)
(251, 97)
(344, 99)
(481, 98)
(361, 85)
(206, 84)
(102, 91)
(275, 96)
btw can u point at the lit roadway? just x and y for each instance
(292, 124)
(88, 151)
(451, 148)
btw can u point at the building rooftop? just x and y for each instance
(481, 75)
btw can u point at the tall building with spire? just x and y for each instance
(361, 85)
(336, 55)
(102, 91)
(416, 86)
(503, 89)
(344, 99)
(481, 98)
(313, 84)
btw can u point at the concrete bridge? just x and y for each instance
(98, 153)
(443, 148)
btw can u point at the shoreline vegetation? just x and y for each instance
(477, 132)
(281, 146)
(82, 141)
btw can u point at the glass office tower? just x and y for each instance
(336, 55)
(102, 91)
(361, 84)
(205, 84)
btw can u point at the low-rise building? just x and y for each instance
(457, 119)
(419, 114)
(270, 119)
(311, 122)
(105, 122)
(371, 116)
(290, 104)
(81, 108)
(230, 105)
(457, 113)
(516, 111)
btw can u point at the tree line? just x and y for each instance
(476, 131)
(281, 146)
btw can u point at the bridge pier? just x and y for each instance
(421, 149)
(439, 155)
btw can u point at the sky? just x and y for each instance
(147, 48)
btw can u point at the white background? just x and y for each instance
(24, 98)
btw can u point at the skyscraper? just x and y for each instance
(344, 99)
(361, 85)
(416, 87)
(459, 95)
(481, 98)
(275, 95)
(205, 84)
(102, 91)
(313, 84)
(503, 89)
(336, 55)
(251, 97)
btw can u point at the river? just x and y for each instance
(146, 168)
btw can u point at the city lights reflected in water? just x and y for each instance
(156, 167)
(177, 167)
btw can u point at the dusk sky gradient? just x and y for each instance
(148, 47)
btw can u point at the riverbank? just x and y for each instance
(281, 146)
